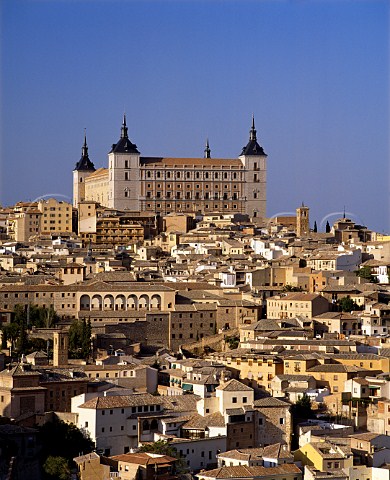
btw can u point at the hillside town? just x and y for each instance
(191, 342)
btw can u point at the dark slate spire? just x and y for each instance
(124, 127)
(85, 163)
(124, 145)
(252, 133)
(253, 148)
(207, 150)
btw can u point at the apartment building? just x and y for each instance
(296, 304)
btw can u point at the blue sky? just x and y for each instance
(314, 73)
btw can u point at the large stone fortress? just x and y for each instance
(174, 185)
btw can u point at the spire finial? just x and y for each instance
(84, 150)
(124, 127)
(252, 133)
(207, 150)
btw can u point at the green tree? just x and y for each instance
(291, 288)
(303, 408)
(60, 439)
(347, 304)
(80, 338)
(233, 341)
(11, 332)
(75, 335)
(35, 316)
(36, 344)
(365, 272)
(20, 315)
(301, 411)
(327, 227)
(22, 341)
(162, 447)
(56, 468)
(86, 338)
(315, 227)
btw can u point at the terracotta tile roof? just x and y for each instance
(294, 378)
(234, 385)
(270, 402)
(179, 403)
(241, 471)
(357, 356)
(277, 450)
(243, 454)
(118, 401)
(144, 458)
(336, 368)
(199, 422)
(100, 172)
(207, 162)
(19, 370)
(86, 458)
(366, 436)
(299, 297)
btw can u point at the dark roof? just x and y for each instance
(124, 145)
(85, 163)
(252, 147)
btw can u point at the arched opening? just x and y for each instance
(85, 302)
(120, 302)
(97, 302)
(143, 302)
(155, 302)
(132, 302)
(108, 302)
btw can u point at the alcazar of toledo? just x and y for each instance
(164, 185)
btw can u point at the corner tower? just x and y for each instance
(254, 159)
(84, 167)
(124, 175)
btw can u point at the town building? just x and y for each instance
(296, 304)
(165, 185)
